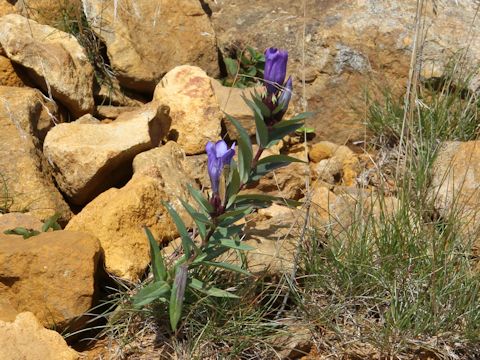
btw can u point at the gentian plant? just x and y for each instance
(216, 216)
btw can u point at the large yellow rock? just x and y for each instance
(54, 60)
(145, 38)
(51, 275)
(195, 113)
(90, 157)
(26, 183)
(116, 217)
(455, 186)
(8, 74)
(26, 338)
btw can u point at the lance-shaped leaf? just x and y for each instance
(158, 265)
(177, 295)
(187, 242)
(233, 181)
(269, 163)
(154, 291)
(261, 127)
(262, 200)
(200, 219)
(236, 244)
(245, 154)
(226, 266)
(231, 217)
(302, 116)
(283, 128)
(210, 290)
(200, 199)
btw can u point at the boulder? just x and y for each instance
(335, 212)
(90, 157)
(231, 102)
(334, 164)
(455, 186)
(53, 59)
(26, 183)
(195, 113)
(6, 8)
(26, 338)
(51, 275)
(348, 46)
(117, 216)
(145, 38)
(8, 74)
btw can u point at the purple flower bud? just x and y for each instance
(286, 94)
(275, 69)
(219, 155)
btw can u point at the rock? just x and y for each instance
(26, 338)
(146, 39)
(231, 102)
(112, 112)
(455, 186)
(334, 213)
(26, 183)
(297, 342)
(196, 116)
(111, 93)
(8, 74)
(116, 216)
(287, 182)
(6, 8)
(53, 59)
(7, 311)
(168, 165)
(88, 158)
(51, 275)
(348, 46)
(334, 163)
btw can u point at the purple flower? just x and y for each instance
(219, 155)
(286, 95)
(275, 69)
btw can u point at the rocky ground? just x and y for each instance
(106, 107)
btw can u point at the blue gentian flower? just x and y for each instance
(275, 69)
(278, 93)
(219, 155)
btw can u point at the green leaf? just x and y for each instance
(264, 200)
(154, 291)
(233, 216)
(187, 242)
(210, 290)
(302, 116)
(236, 244)
(232, 66)
(26, 233)
(283, 128)
(158, 266)
(245, 154)
(200, 199)
(200, 219)
(234, 181)
(262, 131)
(52, 222)
(226, 266)
(177, 295)
(269, 163)
(308, 130)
